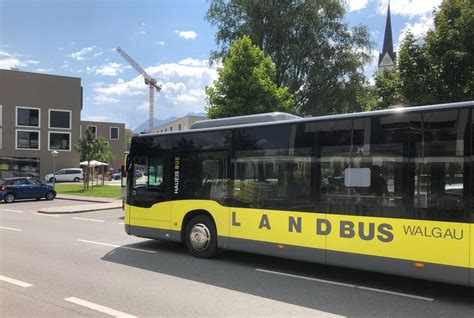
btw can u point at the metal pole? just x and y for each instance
(54, 172)
(151, 120)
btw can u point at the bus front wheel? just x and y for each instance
(201, 237)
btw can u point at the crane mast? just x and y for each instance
(149, 81)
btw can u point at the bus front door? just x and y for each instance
(150, 208)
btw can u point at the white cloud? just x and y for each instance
(44, 70)
(408, 8)
(142, 30)
(194, 62)
(32, 62)
(81, 54)
(11, 63)
(182, 91)
(160, 43)
(96, 118)
(356, 5)
(143, 107)
(110, 69)
(188, 35)
(13, 60)
(98, 54)
(418, 28)
(101, 99)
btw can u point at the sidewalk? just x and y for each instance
(85, 198)
(97, 204)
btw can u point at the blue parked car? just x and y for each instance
(12, 189)
(118, 175)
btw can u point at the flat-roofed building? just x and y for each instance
(182, 123)
(113, 133)
(38, 114)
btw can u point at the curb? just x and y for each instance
(80, 208)
(84, 200)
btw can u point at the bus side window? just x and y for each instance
(155, 172)
(140, 166)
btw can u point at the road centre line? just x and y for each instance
(14, 281)
(118, 246)
(96, 307)
(345, 285)
(10, 228)
(85, 219)
(8, 210)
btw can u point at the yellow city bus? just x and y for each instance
(387, 191)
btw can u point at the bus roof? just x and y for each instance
(240, 122)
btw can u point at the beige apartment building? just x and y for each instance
(113, 133)
(182, 123)
(40, 114)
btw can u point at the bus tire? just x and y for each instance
(201, 237)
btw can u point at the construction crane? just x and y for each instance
(149, 81)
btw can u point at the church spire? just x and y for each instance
(387, 57)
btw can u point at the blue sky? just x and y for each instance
(170, 39)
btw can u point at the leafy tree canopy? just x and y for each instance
(316, 55)
(92, 148)
(438, 68)
(246, 84)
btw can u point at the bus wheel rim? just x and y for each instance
(200, 237)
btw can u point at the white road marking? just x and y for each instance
(10, 228)
(9, 210)
(395, 293)
(346, 285)
(110, 217)
(85, 219)
(14, 281)
(121, 223)
(100, 308)
(118, 246)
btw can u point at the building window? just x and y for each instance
(114, 133)
(59, 141)
(19, 167)
(27, 139)
(166, 129)
(28, 116)
(93, 129)
(1, 133)
(171, 128)
(59, 119)
(0, 115)
(179, 126)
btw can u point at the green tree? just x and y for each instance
(387, 90)
(316, 55)
(415, 72)
(92, 148)
(451, 49)
(246, 84)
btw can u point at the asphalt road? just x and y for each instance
(86, 265)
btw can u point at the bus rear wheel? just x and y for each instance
(201, 237)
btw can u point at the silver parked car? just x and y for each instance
(67, 174)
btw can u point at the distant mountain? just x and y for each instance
(158, 122)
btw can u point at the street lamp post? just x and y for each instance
(54, 153)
